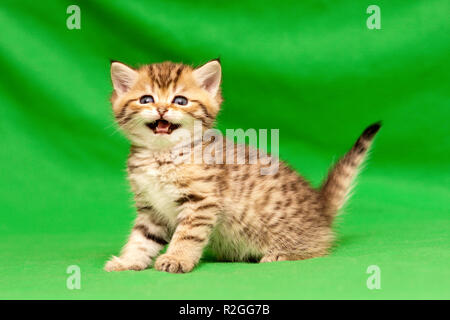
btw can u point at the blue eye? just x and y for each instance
(146, 99)
(182, 101)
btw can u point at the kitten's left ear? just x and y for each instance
(208, 76)
(123, 77)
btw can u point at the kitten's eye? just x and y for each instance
(146, 99)
(182, 101)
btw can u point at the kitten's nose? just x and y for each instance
(161, 111)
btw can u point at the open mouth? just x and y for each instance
(162, 126)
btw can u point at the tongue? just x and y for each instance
(163, 126)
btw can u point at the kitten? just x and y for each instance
(239, 213)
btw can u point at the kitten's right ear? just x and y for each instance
(209, 76)
(123, 77)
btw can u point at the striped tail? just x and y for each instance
(337, 186)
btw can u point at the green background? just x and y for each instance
(310, 68)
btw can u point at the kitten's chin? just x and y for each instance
(162, 127)
(158, 141)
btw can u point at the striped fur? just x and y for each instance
(337, 186)
(239, 213)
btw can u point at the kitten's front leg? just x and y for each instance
(190, 237)
(146, 240)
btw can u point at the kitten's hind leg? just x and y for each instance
(146, 240)
(283, 256)
(271, 257)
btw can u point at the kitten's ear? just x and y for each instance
(122, 76)
(208, 76)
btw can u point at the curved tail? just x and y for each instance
(338, 184)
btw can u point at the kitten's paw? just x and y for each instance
(173, 264)
(272, 258)
(119, 264)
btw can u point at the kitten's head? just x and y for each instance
(157, 105)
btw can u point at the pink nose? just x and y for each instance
(161, 111)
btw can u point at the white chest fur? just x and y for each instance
(154, 184)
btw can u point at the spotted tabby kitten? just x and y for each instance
(239, 213)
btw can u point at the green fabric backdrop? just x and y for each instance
(310, 68)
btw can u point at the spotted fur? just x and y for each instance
(239, 213)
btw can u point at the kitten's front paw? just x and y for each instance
(173, 264)
(119, 264)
